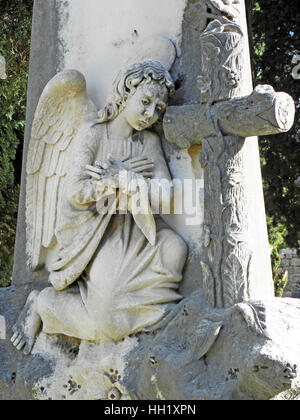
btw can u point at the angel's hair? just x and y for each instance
(127, 82)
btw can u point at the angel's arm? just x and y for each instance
(81, 188)
(161, 191)
(153, 149)
(88, 183)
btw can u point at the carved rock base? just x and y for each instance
(249, 351)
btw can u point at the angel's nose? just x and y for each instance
(149, 112)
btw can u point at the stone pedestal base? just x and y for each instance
(250, 352)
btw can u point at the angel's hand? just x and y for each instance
(141, 165)
(59, 285)
(95, 172)
(104, 173)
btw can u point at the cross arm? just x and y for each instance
(264, 112)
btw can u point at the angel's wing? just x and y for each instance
(64, 105)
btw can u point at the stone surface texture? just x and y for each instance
(246, 352)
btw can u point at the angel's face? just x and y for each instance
(146, 105)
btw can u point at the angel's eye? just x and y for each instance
(159, 108)
(145, 101)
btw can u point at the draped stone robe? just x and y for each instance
(114, 272)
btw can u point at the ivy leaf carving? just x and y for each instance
(254, 314)
(235, 279)
(207, 333)
(208, 283)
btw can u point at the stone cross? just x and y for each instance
(221, 122)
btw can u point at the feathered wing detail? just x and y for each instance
(64, 105)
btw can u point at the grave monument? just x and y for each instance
(142, 267)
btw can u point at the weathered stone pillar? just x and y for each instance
(71, 39)
(44, 62)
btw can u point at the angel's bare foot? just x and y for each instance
(28, 325)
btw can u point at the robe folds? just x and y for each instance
(116, 267)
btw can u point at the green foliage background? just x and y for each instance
(15, 28)
(275, 40)
(273, 35)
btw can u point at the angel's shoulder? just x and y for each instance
(90, 131)
(152, 145)
(151, 138)
(88, 126)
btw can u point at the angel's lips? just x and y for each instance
(143, 124)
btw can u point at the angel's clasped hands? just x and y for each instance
(111, 168)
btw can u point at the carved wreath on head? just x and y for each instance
(229, 8)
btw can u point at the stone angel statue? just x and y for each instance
(111, 267)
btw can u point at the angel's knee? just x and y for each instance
(46, 299)
(174, 249)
